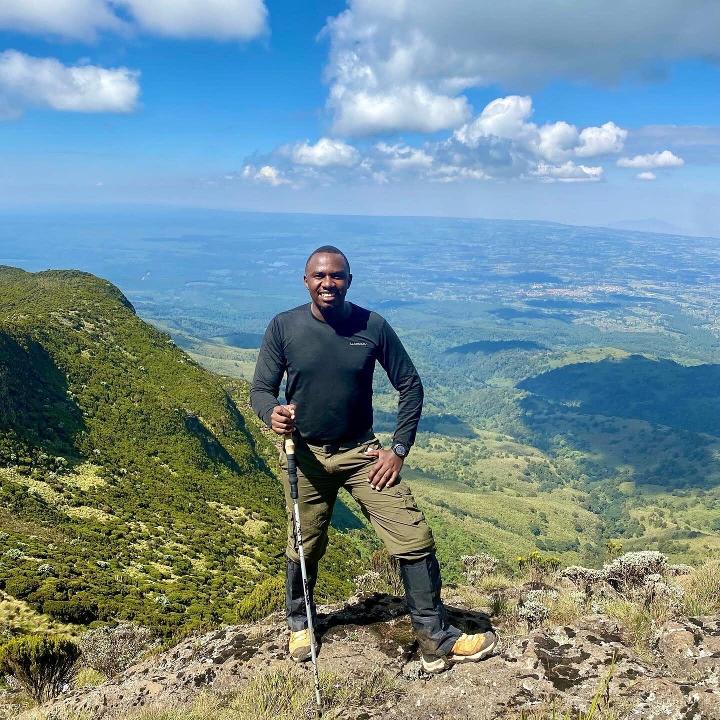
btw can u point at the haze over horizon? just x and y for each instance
(582, 114)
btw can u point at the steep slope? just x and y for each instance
(132, 484)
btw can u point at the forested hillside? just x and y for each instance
(133, 482)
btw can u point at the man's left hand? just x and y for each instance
(386, 471)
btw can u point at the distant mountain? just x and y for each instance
(133, 482)
(651, 225)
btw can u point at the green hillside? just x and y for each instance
(558, 450)
(133, 482)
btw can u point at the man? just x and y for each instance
(328, 350)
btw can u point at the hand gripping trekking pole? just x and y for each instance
(292, 477)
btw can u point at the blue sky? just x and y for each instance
(589, 112)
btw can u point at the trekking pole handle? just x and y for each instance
(292, 467)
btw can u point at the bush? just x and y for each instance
(42, 664)
(265, 598)
(21, 586)
(79, 609)
(388, 568)
(478, 566)
(538, 566)
(114, 649)
(631, 569)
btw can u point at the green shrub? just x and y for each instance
(538, 566)
(265, 598)
(21, 586)
(42, 664)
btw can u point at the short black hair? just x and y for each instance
(330, 250)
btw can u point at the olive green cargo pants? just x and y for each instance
(322, 471)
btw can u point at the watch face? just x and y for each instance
(399, 449)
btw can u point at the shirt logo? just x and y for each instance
(364, 344)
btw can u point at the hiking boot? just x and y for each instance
(467, 648)
(299, 645)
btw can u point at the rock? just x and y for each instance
(692, 646)
(564, 665)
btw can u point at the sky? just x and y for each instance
(593, 112)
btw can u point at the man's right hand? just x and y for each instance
(283, 419)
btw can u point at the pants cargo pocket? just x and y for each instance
(414, 513)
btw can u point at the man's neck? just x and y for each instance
(331, 317)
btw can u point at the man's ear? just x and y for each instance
(349, 279)
(305, 281)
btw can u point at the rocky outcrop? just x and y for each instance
(565, 665)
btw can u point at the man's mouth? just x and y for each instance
(327, 295)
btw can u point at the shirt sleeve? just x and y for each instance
(405, 379)
(269, 371)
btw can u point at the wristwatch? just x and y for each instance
(400, 450)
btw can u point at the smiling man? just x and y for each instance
(328, 350)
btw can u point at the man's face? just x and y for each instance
(327, 280)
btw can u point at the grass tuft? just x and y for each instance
(702, 589)
(283, 694)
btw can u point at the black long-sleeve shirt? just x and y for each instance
(329, 374)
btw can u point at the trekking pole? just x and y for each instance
(292, 477)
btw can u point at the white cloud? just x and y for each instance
(646, 176)
(324, 153)
(557, 140)
(83, 19)
(568, 172)
(219, 19)
(403, 65)
(508, 118)
(46, 82)
(78, 19)
(405, 107)
(266, 174)
(664, 159)
(404, 157)
(603, 140)
(503, 118)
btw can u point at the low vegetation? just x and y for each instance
(43, 666)
(628, 590)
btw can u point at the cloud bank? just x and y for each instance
(402, 65)
(500, 143)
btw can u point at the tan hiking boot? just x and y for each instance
(299, 645)
(467, 648)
